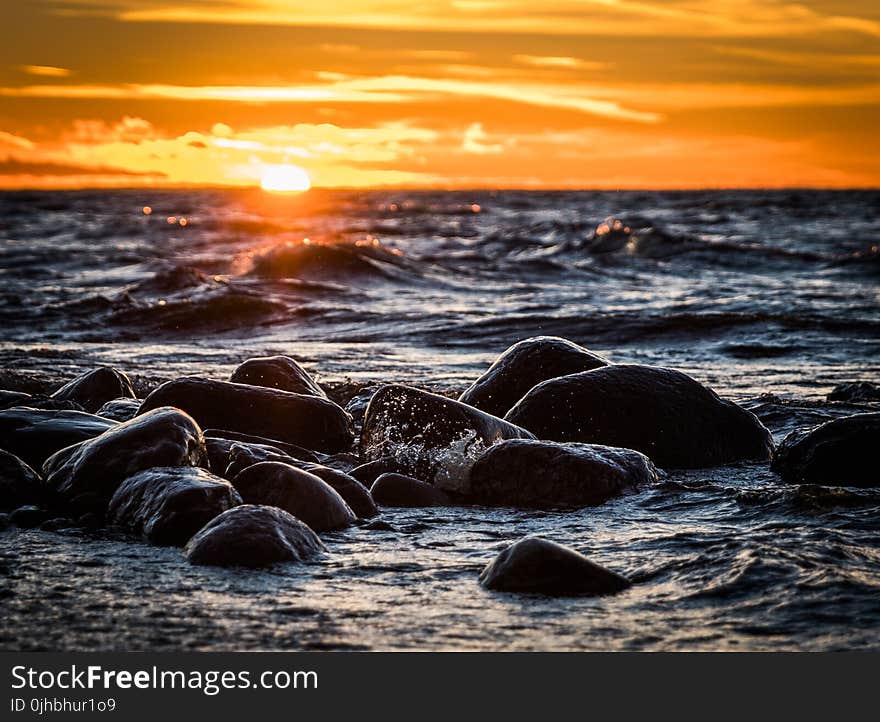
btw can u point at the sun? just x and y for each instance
(285, 179)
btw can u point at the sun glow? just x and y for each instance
(285, 179)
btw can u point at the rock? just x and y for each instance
(28, 517)
(168, 505)
(405, 491)
(88, 474)
(57, 524)
(9, 399)
(539, 566)
(675, 420)
(277, 372)
(95, 388)
(426, 433)
(307, 421)
(859, 391)
(34, 435)
(367, 473)
(542, 474)
(292, 450)
(842, 452)
(20, 485)
(357, 404)
(5, 522)
(253, 536)
(350, 489)
(524, 365)
(120, 409)
(298, 492)
(241, 456)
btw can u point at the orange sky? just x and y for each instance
(441, 93)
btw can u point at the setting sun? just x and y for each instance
(285, 179)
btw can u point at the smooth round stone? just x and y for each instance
(405, 491)
(20, 485)
(277, 372)
(93, 389)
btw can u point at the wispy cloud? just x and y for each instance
(46, 71)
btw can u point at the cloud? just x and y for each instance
(559, 62)
(474, 141)
(15, 167)
(47, 71)
(9, 140)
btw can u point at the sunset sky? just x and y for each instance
(441, 93)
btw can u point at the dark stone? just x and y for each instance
(9, 399)
(120, 409)
(88, 474)
(5, 522)
(842, 452)
(307, 421)
(427, 433)
(379, 525)
(95, 388)
(253, 536)
(28, 517)
(241, 456)
(34, 435)
(675, 420)
(367, 473)
(524, 365)
(19, 484)
(539, 566)
(404, 491)
(297, 452)
(90, 520)
(168, 505)
(296, 491)
(57, 524)
(526, 473)
(357, 404)
(350, 489)
(858, 391)
(277, 372)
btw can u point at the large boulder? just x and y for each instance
(277, 372)
(842, 452)
(169, 504)
(34, 435)
(20, 485)
(538, 566)
(93, 389)
(664, 413)
(429, 435)
(526, 473)
(120, 409)
(253, 536)
(308, 498)
(88, 474)
(308, 421)
(404, 491)
(524, 365)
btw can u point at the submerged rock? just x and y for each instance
(308, 421)
(524, 365)
(664, 413)
(20, 485)
(120, 409)
(93, 389)
(427, 433)
(277, 372)
(88, 474)
(527, 473)
(168, 505)
(29, 516)
(535, 565)
(405, 491)
(34, 435)
(253, 536)
(298, 492)
(859, 391)
(842, 452)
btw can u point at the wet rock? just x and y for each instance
(357, 404)
(253, 536)
(543, 474)
(524, 365)
(57, 524)
(5, 522)
(379, 525)
(663, 413)
(19, 483)
(859, 391)
(307, 421)
(168, 505)
(367, 473)
(28, 517)
(88, 474)
(405, 491)
(538, 566)
(298, 492)
(95, 388)
(277, 372)
(350, 489)
(9, 399)
(241, 456)
(297, 452)
(120, 409)
(842, 452)
(427, 433)
(34, 435)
